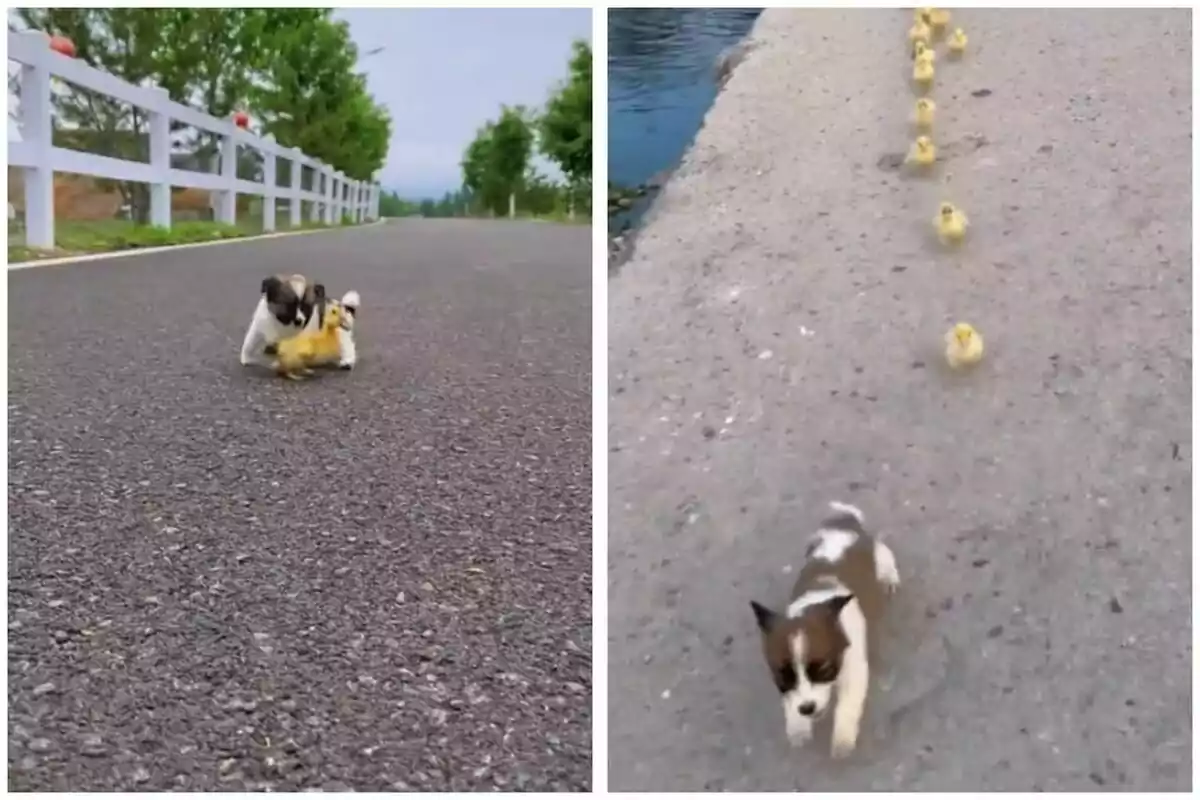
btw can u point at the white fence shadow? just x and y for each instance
(335, 196)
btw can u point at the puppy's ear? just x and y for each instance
(765, 617)
(271, 286)
(319, 291)
(836, 604)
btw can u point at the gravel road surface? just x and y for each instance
(776, 343)
(376, 580)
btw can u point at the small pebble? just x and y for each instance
(40, 745)
(43, 688)
(92, 745)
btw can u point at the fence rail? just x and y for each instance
(334, 195)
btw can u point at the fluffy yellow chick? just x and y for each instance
(964, 346)
(923, 72)
(950, 224)
(922, 15)
(923, 51)
(938, 19)
(923, 152)
(919, 32)
(957, 43)
(923, 113)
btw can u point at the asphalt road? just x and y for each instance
(775, 343)
(377, 580)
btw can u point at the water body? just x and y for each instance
(661, 83)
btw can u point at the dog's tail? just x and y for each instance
(846, 508)
(350, 301)
(845, 518)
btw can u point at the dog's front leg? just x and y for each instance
(851, 700)
(349, 354)
(252, 346)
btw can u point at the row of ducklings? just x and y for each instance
(964, 344)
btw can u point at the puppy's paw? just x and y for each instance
(346, 366)
(844, 742)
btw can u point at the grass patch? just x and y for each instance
(73, 237)
(559, 217)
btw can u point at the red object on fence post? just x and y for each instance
(61, 44)
(241, 119)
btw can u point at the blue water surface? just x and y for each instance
(661, 82)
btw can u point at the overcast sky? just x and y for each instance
(444, 72)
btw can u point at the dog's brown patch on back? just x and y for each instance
(855, 570)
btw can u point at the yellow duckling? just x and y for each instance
(950, 224)
(924, 51)
(922, 15)
(938, 19)
(957, 43)
(919, 32)
(923, 72)
(964, 346)
(923, 114)
(923, 152)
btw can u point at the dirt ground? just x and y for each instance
(775, 343)
(378, 580)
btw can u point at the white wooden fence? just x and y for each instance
(334, 196)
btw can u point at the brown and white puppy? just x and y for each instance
(819, 646)
(288, 305)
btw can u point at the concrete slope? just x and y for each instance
(376, 580)
(776, 343)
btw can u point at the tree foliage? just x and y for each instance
(565, 129)
(313, 99)
(494, 163)
(293, 69)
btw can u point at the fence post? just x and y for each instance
(327, 193)
(358, 196)
(339, 197)
(315, 213)
(160, 160)
(294, 201)
(37, 130)
(227, 197)
(270, 187)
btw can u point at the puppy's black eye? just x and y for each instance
(821, 671)
(785, 678)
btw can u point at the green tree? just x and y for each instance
(565, 127)
(311, 97)
(293, 68)
(495, 161)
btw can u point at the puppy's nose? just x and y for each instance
(808, 709)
